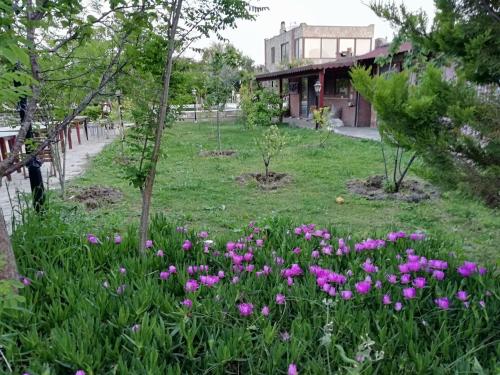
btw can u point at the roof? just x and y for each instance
(341, 63)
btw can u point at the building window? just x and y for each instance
(328, 48)
(346, 47)
(342, 87)
(284, 52)
(312, 48)
(273, 55)
(298, 48)
(363, 46)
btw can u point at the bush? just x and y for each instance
(254, 303)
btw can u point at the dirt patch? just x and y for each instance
(95, 196)
(223, 153)
(411, 191)
(272, 182)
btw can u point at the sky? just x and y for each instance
(249, 36)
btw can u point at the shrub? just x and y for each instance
(265, 300)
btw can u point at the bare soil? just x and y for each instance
(411, 190)
(95, 196)
(272, 182)
(223, 153)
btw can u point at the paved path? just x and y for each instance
(76, 161)
(363, 133)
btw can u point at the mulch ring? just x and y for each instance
(95, 196)
(411, 190)
(274, 181)
(223, 153)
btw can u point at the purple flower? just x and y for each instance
(419, 282)
(118, 239)
(235, 280)
(482, 271)
(203, 234)
(437, 264)
(308, 236)
(187, 245)
(386, 299)
(409, 293)
(121, 289)
(285, 336)
(187, 303)
(378, 284)
(443, 303)
(297, 250)
(315, 254)
(191, 286)
(221, 274)
(417, 236)
(438, 275)
(172, 269)
(393, 279)
(245, 309)
(280, 299)
(92, 239)
(369, 267)
(26, 281)
(292, 369)
(80, 372)
(160, 253)
(123, 270)
(346, 294)
(136, 327)
(363, 287)
(164, 275)
(405, 279)
(259, 243)
(462, 295)
(482, 304)
(149, 244)
(265, 311)
(398, 306)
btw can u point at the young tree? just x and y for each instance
(259, 106)
(322, 119)
(270, 144)
(224, 65)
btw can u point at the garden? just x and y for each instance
(248, 246)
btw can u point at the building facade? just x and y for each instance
(308, 44)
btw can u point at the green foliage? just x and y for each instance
(270, 143)
(259, 106)
(322, 119)
(84, 323)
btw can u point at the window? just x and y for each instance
(298, 48)
(363, 46)
(345, 45)
(284, 52)
(273, 55)
(328, 48)
(342, 86)
(312, 48)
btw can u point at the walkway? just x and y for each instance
(76, 161)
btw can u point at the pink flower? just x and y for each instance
(80, 372)
(160, 253)
(363, 287)
(419, 282)
(221, 274)
(92, 239)
(172, 269)
(164, 275)
(136, 328)
(409, 293)
(187, 245)
(398, 306)
(26, 281)
(393, 279)
(187, 303)
(315, 254)
(482, 304)
(191, 286)
(123, 270)
(245, 309)
(203, 234)
(438, 275)
(297, 250)
(118, 239)
(259, 243)
(292, 369)
(149, 244)
(121, 289)
(386, 299)
(308, 236)
(482, 271)
(280, 299)
(369, 267)
(346, 294)
(462, 295)
(249, 268)
(265, 311)
(248, 257)
(378, 284)
(405, 279)
(235, 280)
(443, 303)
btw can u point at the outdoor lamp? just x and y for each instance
(317, 87)
(194, 92)
(118, 93)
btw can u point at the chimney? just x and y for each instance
(283, 27)
(379, 42)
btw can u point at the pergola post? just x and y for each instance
(321, 101)
(281, 99)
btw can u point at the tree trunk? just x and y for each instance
(218, 132)
(147, 192)
(267, 169)
(8, 267)
(401, 178)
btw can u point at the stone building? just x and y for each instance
(306, 44)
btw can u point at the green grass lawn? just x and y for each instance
(203, 193)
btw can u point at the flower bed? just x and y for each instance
(274, 300)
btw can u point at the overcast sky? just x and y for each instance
(249, 36)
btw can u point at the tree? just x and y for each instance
(465, 152)
(259, 106)
(224, 65)
(322, 119)
(270, 144)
